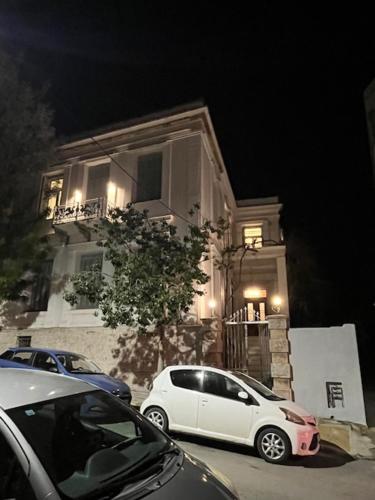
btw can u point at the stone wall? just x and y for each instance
(127, 355)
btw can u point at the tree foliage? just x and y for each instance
(156, 272)
(26, 148)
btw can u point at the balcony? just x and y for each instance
(88, 209)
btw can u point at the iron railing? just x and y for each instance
(89, 209)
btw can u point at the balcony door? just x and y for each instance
(97, 181)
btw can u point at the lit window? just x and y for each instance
(252, 236)
(52, 194)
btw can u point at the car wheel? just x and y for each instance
(274, 445)
(158, 417)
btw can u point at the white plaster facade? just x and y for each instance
(326, 359)
(193, 171)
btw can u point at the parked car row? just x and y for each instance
(62, 438)
(72, 433)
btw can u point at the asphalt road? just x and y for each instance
(330, 475)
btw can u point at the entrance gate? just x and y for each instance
(247, 347)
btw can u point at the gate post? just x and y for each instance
(281, 370)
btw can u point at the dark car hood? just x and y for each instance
(103, 381)
(193, 480)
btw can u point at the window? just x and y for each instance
(253, 236)
(219, 385)
(24, 340)
(187, 379)
(13, 481)
(149, 172)
(6, 355)
(88, 263)
(40, 288)
(97, 181)
(52, 192)
(23, 357)
(45, 362)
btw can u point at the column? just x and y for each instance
(281, 370)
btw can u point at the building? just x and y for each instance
(166, 163)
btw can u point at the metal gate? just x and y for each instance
(238, 343)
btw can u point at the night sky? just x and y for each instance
(284, 84)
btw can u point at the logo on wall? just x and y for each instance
(335, 394)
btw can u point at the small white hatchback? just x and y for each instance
(230, 406)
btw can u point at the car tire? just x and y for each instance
(158, 417)
(273, 445)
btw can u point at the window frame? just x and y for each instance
(47, 178)
(79, 305)
(259, 240)
(222, 395)
(200, 385)
(135, 195)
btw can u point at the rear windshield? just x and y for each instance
(257, 387)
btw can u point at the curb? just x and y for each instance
(357, 440)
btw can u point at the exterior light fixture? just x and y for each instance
(212, 305)
(254, 293)
(276, 302)
(77, 196)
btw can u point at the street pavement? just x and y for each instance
(330, 475)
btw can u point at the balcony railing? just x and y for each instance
(89, 209)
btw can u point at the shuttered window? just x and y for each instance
(87, 262)
(149, 174)
(97, 181)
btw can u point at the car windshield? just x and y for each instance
(257, 387)
(75, 363)
(91, 444)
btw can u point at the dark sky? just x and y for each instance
(284, 84)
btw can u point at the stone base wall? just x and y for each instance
(125, 354)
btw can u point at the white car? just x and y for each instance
(64, 439)
(230, 406)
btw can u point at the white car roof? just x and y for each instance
(20, 387)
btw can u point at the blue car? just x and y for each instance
(66, 363)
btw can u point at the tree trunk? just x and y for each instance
(161, 359)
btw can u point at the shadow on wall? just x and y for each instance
(137, 354)
(16, 315)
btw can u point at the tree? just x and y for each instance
(26, 148)
(156, 272)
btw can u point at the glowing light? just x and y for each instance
(77, 196)
(276, 302)
(212, 304)
(254, 293)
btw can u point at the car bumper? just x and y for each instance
(308, 442)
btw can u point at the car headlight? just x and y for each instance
(292, 417)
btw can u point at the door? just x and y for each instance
(222, 414)
(183, 397)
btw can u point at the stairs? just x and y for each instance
(254, 358)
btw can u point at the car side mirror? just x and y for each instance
(243, 395)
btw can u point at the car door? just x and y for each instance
(23, 357)
(222, 414)
(183, 397)
(14, 483)
(44, 361)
